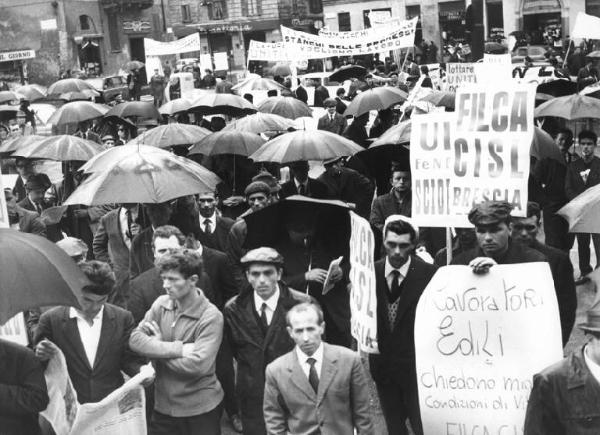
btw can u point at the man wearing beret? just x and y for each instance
(524, 230)
(255, 326)
(332, 121)
(492, 220)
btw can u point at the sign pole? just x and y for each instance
(448, 245)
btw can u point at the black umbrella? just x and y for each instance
(557, 88)
(347, 72)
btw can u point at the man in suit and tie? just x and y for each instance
(301, 184)
(85, 132)
(94, 339)
(332, 121)
(255, 327)
(23, 220)
(112, 242)
(317, 388)
(400, 278)
(214, 229)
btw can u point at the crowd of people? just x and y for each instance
(229, 306)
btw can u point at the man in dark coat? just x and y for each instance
(581, 175)
(256, 328)
(24, 220)
(340, 105)
(332, 121)
(397, 201)
(565, 396)
(301, 184)
(400, 279)
(25, 170)
(301, 94)
(492, 220)
(214, 229)
(94, 339)
(34, 202)
(23, 392)
(321, 95)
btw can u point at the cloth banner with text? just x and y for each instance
(479, 339)
(363, 297)
(375, 40)
(477, 153)
(184, 45)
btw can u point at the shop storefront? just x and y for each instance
(495, 20)
(542, 21)
(452, 21)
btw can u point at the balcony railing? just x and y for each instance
(126, 4)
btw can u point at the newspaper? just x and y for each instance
(328, 284)
(122, 411)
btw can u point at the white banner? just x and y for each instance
(327, 44)
(586, 27)
(183, 45)
(121, 412)
(268, 51)
(478, 343)
(363, 297)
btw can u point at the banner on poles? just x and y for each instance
(477, 343)
(183, 45)
(369, 41)
(268, 51)
(478, 153)
(363, 297)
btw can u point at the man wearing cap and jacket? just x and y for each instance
(565, 396)
(34, 201)
(492, 220)
(256, 328)
(332, 121)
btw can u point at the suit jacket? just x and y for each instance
(340, 106)
(30, 222)
(337, 126)
(113, 356)
(340, 404)
(218, 238)
(53, 232)
(574, 184)
(396, 361)
(19, 188)
(109, 246)
(141, 255)
(387, 205)
(301, 94)
(321, 94)
(350, 186)
(316, 189)
(254, 350)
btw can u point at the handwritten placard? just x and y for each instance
(479, 340)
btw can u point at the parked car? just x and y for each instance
(109, 87)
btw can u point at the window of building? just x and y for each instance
(113, 31)
(217, 10)
(84, 22)
(592, 7)
(186, 14)
(376, 15)
(251, 8)
(344, 24)
(315, 6)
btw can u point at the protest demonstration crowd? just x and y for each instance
(278, 256)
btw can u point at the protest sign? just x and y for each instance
(267, 51)
(460, 74)
(363, 298)
(15, 330)
(479, 152)
(495, 67)
(479, 339)
(370, 41)
(122, 411)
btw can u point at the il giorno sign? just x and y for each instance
(17, 55)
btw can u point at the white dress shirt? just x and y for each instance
(318, 357)
(213, 222)
(298, 184)
(389, 269)
(90, 335)
(124, 226)
(271, 304)
(592, 365)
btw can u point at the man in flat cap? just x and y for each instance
(256, 328)
(565, 396)
(332, 121)
(268, 178)
(108, 141)
(492, 220)
(524, 230)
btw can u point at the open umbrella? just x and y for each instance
(557, 88)
(140, 174)
(347, 72)
(70, 85)
(35, 273)
(544, 147)
(77, 111)
(132, 65)
(440, 98)
(64, 147)
(140, 109)
(260, 123)
(257, 84)
(14, 143)
(172, 107)
(169, 135)
(33, 92)
(76, 96)
(10, 97)
(583, 211)
(398, 134)
(375, 99)
(288, 107)
(570, 107)
(594, 54)
(237, 142)
(281, 69)
(228, 104)
(305, 145)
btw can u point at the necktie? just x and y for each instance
(331, 118)
(301, 190)
(313, 378)
(207, 226)
(395, 289)
(38, 208)
(263, 316)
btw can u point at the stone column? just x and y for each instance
(430, 22)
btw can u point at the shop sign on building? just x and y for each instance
(540, 6)
(17, 55)
(136, 26)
